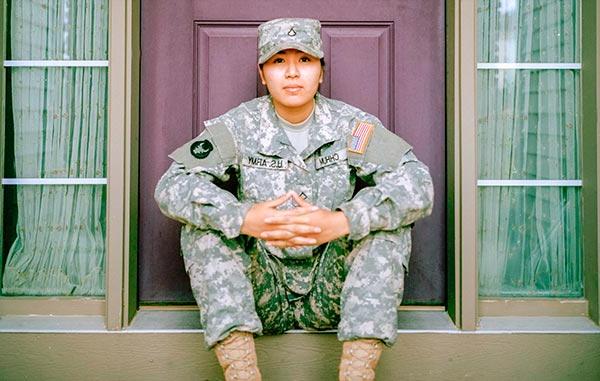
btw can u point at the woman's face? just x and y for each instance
(292, 78)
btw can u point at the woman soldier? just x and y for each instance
(298, 246)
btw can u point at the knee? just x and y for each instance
(389, 249)
(377, 272)
(209, 247)
(401, 237)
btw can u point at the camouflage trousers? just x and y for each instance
(354, 286)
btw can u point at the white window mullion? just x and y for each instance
(529, 183)
(55, 181)
(55, 63)
(530, 66)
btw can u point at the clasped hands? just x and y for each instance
(305, 225)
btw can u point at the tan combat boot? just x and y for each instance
(359, 359)
(237, 357)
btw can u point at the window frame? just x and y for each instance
(466, 307)
(110, 304)
(590, 73)
(535, 306)
(122, 215)
(2, 137)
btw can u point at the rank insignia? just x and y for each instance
(292, 32)
(302, 196)
(201, 149)
(360, 136)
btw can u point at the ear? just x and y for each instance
(260, 73)
(322, 75)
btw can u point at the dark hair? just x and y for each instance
(322, 60)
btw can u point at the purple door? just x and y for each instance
(199, 60)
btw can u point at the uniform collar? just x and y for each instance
(274, 141)
(325, 129)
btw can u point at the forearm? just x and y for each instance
(399, 198)
(193, 199)
(306, 225)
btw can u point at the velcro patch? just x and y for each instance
(360, 137)
(336, 157)
(265, 163)
(201, 149)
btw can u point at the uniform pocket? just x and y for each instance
(263, 178)
(400, 244)
(396, 246)
(334, 185)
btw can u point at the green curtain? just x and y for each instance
(59, 126)
(529, 129)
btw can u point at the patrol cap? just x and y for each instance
(289, 33)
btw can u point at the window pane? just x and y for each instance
(56, 128)
(58, 30)
(59, 120)
(528, 124)
(528, 31)
(59, 240)
(529, 129)
(530, 241)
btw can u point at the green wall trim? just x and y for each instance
(134, 49)
(2, 128)
(451, 297)
(590, 152)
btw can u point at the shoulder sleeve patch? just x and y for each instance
(360, 137)
(212, 147)
(383, 146)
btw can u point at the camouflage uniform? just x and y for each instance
(354, 283)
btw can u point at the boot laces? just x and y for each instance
(360, 360)
(238, 357)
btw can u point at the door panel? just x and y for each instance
(359, 73)
(223, 80)
(199, 60)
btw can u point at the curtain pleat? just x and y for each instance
(60, 126)
(528, 129)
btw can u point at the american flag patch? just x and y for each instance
(361, 134)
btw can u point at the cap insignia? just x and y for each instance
(292, 32)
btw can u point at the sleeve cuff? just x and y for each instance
(237, 214)
(358, 219)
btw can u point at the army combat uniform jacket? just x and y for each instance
(346, 147)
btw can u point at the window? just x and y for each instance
(54, 181)
(529, 139)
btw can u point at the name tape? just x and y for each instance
(336, 157)
(265, 163)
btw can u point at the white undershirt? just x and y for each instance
(297, 132)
